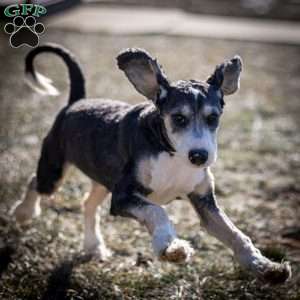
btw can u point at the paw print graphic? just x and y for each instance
(24, 31)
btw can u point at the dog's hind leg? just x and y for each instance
(29, 207)
(93, 240)
(49, 175)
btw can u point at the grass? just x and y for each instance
(257, 177)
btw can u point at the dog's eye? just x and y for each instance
(180, 120)
(212, 120)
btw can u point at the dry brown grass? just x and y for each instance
(257, 177)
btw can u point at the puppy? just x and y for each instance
(145, 155)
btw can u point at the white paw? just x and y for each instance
(98, 252)
(178, 251)
(264, 269)
(271, 272)
(24, 213)
(276, 273)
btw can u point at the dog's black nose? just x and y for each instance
(198, 157)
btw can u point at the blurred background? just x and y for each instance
(257, 172)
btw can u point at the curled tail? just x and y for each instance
(44, 85)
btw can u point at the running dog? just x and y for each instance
(145, 155)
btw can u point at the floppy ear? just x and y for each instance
(227, 75)
(143, 72)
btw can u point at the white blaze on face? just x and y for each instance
(190, 139)
(195, 92)
(196, 135)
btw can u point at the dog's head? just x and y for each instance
(190, 110)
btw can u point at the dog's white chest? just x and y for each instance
(171, 177)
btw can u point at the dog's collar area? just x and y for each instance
(165, 139)
(156, 132)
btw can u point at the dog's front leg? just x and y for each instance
(128, 202)
(219, 225)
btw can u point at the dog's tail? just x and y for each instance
(43, 85)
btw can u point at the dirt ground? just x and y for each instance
(257, 176)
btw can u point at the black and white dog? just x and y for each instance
(146, 155)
